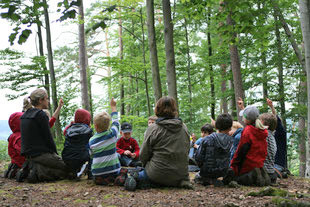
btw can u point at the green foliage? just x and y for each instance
(4, 150)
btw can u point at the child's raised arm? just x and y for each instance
(113, 105)
(57, 111)
(270, 104)
(240, 103)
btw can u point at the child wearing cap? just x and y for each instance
(248, 161)
(128, 148)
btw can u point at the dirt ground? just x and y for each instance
(85, 193)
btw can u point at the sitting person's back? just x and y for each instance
(75, 152)
(235, 132)
(214, 152)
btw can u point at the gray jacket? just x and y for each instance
(164, 152)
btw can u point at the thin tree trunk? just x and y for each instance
(280, 71)
(189, 73)
(304, 8)
(89, 85)
(236, 69)
(121, 51)
(108, 69)
(211, 68)
(169, 49)
(265, 80)
(82, 60)
(223, 89)
(51, 67)
(153, 49)
(302, 130)
(144, 64)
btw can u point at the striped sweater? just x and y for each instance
(271, 153)
(103, 150)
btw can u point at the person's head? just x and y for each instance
(249, 115)
(166, 107)
(151, 120)
(126, 130)
(47, 113)
(26, 104)
(82, 116)
(269, 120)
(102, 122)
(39, 98)
(206, 130)
(14, 121)
(223, 123)
(236, 125)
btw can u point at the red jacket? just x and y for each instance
(130, 144)
(14, 146)
(252, 150)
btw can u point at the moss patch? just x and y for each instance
(269, 192)
(282, 202)
(80, 201)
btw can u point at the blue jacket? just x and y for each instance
(237, 137)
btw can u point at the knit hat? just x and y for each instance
(126, 127)
(250, 112)
(82, 116)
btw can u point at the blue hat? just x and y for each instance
(126, 127)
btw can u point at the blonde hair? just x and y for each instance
(26, 104)
(37, 95)
(237, 125)
(102, 121)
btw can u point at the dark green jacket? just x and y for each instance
(164, 152)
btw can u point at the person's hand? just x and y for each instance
(113, 105)
(133, 155)
(212, 122)
(194, 138)
(127, 152)
(269, 102)
(240, 103)
(196, 146)
(61, 103)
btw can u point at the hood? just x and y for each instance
(174, 124)
(258, 133)
(82, 116)
(14, 121)
(78, 129)
(223, 140)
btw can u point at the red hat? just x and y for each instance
(82, 116)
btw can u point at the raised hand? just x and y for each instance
(113, 105)
(240, 103)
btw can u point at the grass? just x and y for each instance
(4, 150)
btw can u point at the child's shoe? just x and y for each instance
(257, 177)
(22, 174)
(130, 183)
(265, 176)
(121, 178)
(11, 171)
(229, 176)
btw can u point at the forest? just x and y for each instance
(205, 53)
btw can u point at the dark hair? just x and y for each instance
(223, 122)
(207, 128)
(166, 107)
(269, 120)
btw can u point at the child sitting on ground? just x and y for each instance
(14, 146)
(235, 132)
(270, 120)
(78, 133)
(248, 161)
(128, 148)
(213, 153)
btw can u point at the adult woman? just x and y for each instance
(37, 144)
(164, 152)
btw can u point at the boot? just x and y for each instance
(22, 174)
(265, 176)
(257, 177)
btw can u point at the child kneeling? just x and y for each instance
(213, 154)
(106, 167)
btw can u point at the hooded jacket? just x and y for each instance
(213, 155)
(77, 137)
(36, 135)
(164, 152)
(14, 146)
(252, 150)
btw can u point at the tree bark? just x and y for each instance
(265, 80)
(108, 69)
(153, 49)
(51, 67)
(189, 73)
(302, 129)
(144, 64)
(169, 49)
(212, 90)
(280, 71)
(304, 8)
(223, 89)
(121, 51)
(82, 60)
(236, 70)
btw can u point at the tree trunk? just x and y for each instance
(121, 51)
(304, 8)
(265, 80)
(211, 68)
(189, 73)
(109, 69)
(236, 69)
(302, 129)
(232, 101)
(280, 71)
(82, 60)
(153, 49)
(223, 89)
(144, 64)
(51, 68)
(169, 49)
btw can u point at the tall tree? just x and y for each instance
(153, 49)
(82, 59)
(169, 49)
(121, 56)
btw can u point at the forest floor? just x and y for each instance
(294, 191)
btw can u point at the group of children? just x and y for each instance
(233, 153)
